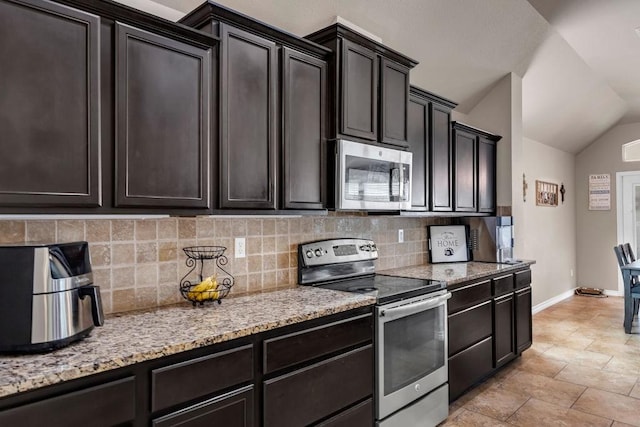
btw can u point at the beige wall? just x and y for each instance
(597, 230)
(550, 232)
(139, 263)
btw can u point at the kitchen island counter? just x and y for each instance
(457, 272)
(130, 338)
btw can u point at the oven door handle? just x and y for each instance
(409, 309)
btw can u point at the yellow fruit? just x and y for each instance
(204, 290)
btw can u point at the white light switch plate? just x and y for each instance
(400, 235)
(240, 249)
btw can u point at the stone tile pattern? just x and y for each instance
(582, 370)
(130, 338)
(138, 263)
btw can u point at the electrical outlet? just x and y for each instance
(240, 249)
(400, 235)
(571, 272)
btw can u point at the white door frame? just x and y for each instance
(620, 214)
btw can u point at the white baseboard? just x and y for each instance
(551, 301)
(613, 293)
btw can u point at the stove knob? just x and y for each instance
(309, 254)
(365, 248)
(318, 252)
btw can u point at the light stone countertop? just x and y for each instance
(456, 272)
(135, 337)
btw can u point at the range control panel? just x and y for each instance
(336, 251)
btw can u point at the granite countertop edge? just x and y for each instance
(458, 272)
(108, 348)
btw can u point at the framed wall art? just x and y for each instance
(448, 243)
(546, 193)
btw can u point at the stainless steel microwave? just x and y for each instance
(372, 178)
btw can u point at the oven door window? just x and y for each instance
(414, 347)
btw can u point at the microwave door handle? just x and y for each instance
(409, 309)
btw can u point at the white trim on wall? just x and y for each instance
(552, 301)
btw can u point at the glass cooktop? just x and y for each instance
(387, 288)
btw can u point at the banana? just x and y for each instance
(204, 290)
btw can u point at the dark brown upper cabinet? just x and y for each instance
(465, 182)
(359, 91)
(394, 102)
(475, 169)
(369, 83)
(486, 175)
(272, 116)
(50, 105)
(248, 98)
(104, 109)
(441, 159)
(304, 133)
(162, 136)
(428, 125)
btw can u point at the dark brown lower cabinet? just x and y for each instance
(470, 366)
(360, 415)
(524, 334)
(504, 322)
(108, 404)
(256, 380)
(489, 324)
(234, 409)
(317, 391)
(474, 323)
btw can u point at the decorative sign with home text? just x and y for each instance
(448, 243)
(600, 192)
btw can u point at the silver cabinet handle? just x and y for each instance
(406, 310)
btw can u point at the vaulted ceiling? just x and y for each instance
(577, 58)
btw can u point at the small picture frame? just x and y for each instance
(546, 193)
(448, 243)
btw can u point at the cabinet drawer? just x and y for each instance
(523, 278)
(302, 346)
(107, 404)
(234, 409)
(469, 295)
(469, 326)
(360, 415)
(503, 285)
(319, 390)
(199, 377)
(469, 366)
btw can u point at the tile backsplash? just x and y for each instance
(138, 263)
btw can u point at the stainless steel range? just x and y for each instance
(411, 329)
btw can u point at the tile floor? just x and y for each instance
(582, 370)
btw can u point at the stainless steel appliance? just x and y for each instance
(368, 177)
(491, 238)
(411, 370)
(47, 296)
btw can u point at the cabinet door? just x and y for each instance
(486, 175)
(49, 105)
(465, 171)
(503, 331)
(394, 102)
(304, 109)
(418, 139)
(109, 404)
(315, 392)
(441, 159)
(469, 366)
(359, 91)
(234, 409)
(524, 332)
(162, 136)
(248, 122)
